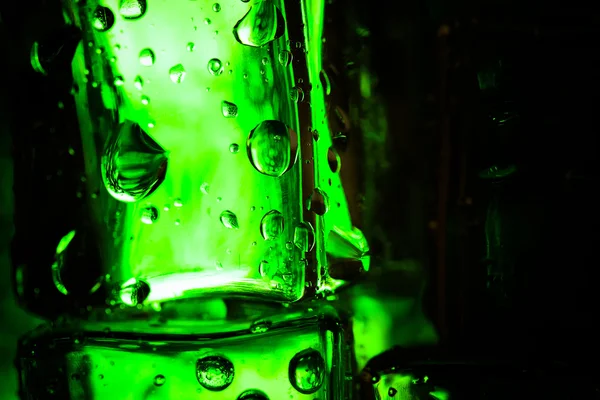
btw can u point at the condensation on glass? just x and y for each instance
(209, 163)
(213, 200)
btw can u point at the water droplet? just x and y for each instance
(307, 371)
(138, 83)
(315, 135)
(318, 202)
(230, 110)
(272, 148)
(229, 220)
(297, 94)
(204, 187)
(133, 165)
(392, 392)
(103, 19)
(132, 9)
(145, 100)
(234, 148)
(264, 61)
(178, 203)
(325, 82)
(271, 225)
(215, 67)
(219, 199)
(59, 264)
(177, 73)
(216, 7)
(333, 159)
(119, 81)
(149, 215)
(219, 266)
(190, 47)
(264, 269)
(260, 326)
(177, 222)
(159, 380)
(207, 21)
(147, 57)
(285, 57)
(134, 292)
(214, 373)
(262, 24)
(304, 236)
(253, 394)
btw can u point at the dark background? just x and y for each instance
(503, 84)
(475, 90)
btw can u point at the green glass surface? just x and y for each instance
(209, 163)
(287, 353)
(214, 200)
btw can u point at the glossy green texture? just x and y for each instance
(218, 357)
(173, 177)
(201, 169)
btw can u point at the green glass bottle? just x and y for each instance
(211, 210)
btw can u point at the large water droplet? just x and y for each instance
(253, 394)
(216, 7)
(149, 215)
(229, 220)
(262, 24)
(214, 373)
(285, 57)
(228, 109)
(159, 380)
(304, 236)
(318, 202)
(132, 9)
(134, 292)
(271, 225)
(67, 275)
(133, 165)
(147, 57)
(177, 73)
(272, 148)
(307, 371)
(215, 66)
(103, 19)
